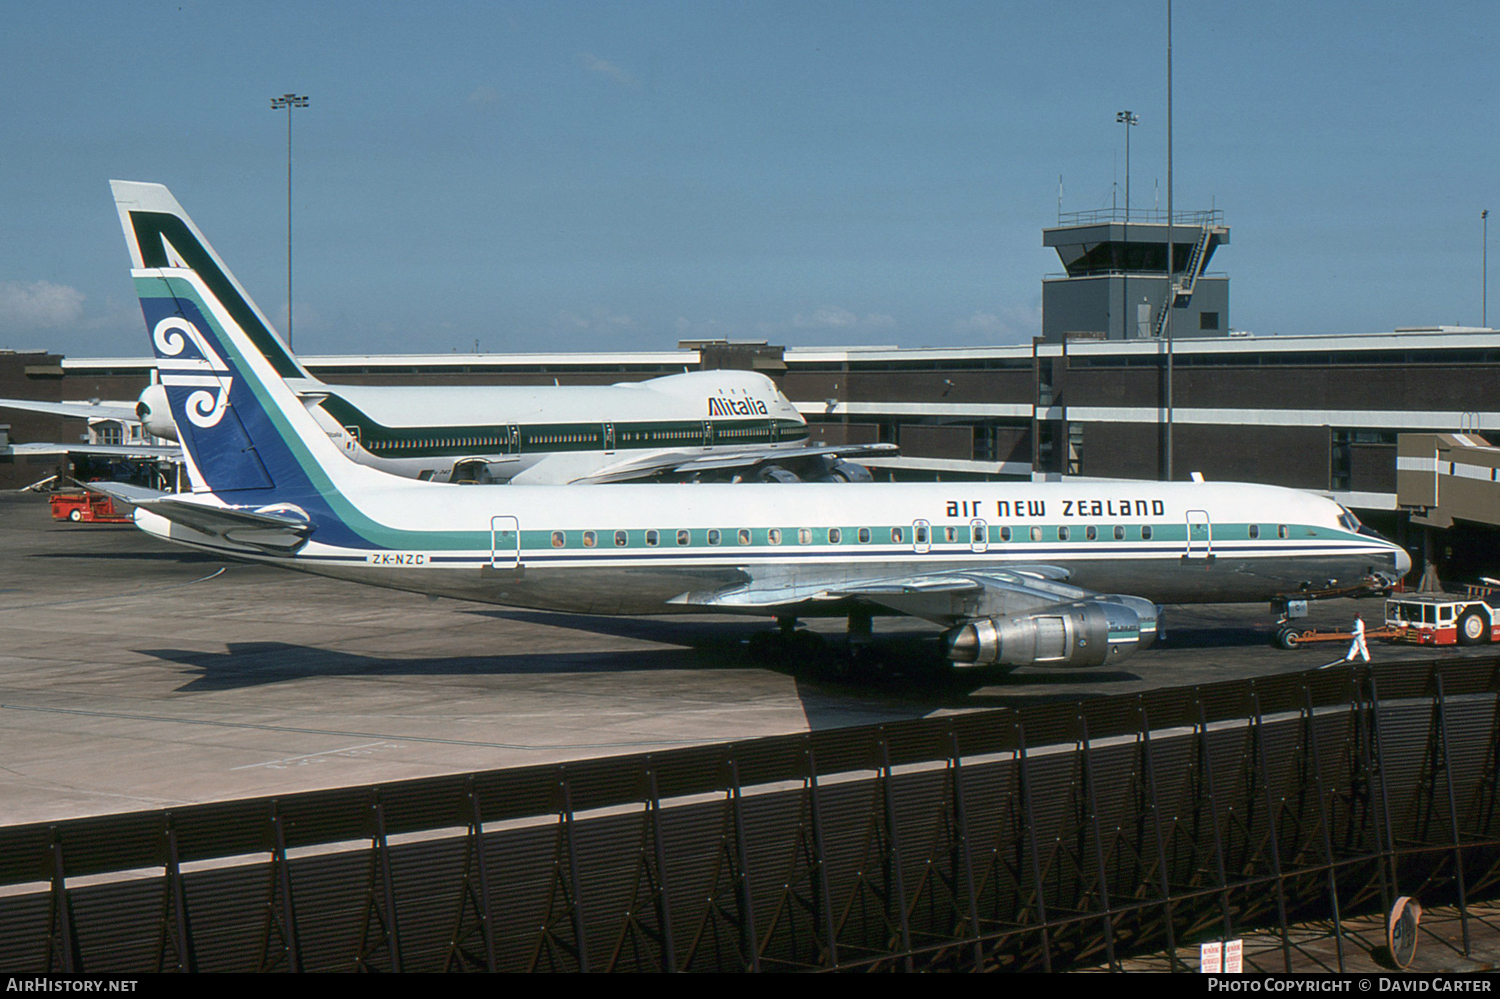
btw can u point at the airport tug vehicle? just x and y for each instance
(82, 507)
(1419, 619)
(1442, 619)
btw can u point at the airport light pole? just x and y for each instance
(1129, 120)
(1484, 295)
(287, 102)
(1171, 298)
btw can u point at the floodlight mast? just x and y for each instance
(1129, 120)
(287, 102)
(1171, 299)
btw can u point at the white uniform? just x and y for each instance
(1358, 645)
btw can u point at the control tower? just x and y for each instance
(1116, 280)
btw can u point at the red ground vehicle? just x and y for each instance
(1442, 619)
(86, 508)
(1417, 618)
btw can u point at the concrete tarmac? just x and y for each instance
(136, 674)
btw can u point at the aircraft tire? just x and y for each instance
(764, 647)
(75, 515)
(1286, 637)
(872, 662)
(1473, 629)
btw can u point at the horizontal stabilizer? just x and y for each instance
(134, 495)
(279, 531)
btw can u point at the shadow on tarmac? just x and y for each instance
(251, 664)
(905, 671)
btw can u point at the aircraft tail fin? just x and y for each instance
(223, 368)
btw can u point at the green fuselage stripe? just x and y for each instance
(1019, 537)
(547, 438)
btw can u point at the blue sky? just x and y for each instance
(582, 176)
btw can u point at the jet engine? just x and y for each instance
(775, 473)
(1086, 633)
(839, 470)
(154, 412)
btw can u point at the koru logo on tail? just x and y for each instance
(207, 373)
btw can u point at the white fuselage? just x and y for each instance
(637, 549)
(539, 434)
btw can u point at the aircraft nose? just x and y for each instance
(1403, 562)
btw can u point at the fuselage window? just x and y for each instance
(653, 538)
(1281, 531)
(1062, 532)
(897, 536)
(558, 539)
(1036, 532)
(686, 537)
(621, 539)
(1120, 531)
(950, 534)
(864, 535)
(744, 536)
(714, 537)
(774, 535)
(922, 530)
(1254, 528)
(589, 537)
(1146, 531)
(1091, 533)
(804, 534)
(836, 536)
(1005, 534)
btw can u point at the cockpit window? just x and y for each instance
(1347, 520)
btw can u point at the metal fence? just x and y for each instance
(1035, 839)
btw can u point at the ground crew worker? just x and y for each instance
(1358, 645)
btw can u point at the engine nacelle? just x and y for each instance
(839, 470)
(775, 473)
(1087, 633)
(155, 413)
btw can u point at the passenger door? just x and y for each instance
(505, 543)
(1200, 535)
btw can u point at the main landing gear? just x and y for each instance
(789, 645)
(859, 658)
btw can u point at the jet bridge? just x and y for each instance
(1441, 478)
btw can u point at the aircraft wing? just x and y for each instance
(84, 410)
(750, 457)
(941, 596)
(278, 531)
(110, 450)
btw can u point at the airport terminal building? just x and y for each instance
(1315, 412)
